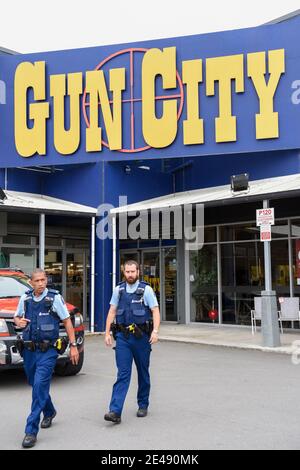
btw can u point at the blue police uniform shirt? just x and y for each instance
(58, 307)
(150, 299)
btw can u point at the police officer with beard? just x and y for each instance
(134, 319)
(39, 313)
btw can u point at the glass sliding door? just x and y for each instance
(158, 267)
(169, 287)
(54, 269)
(151, 270)
(76, 279)
(68, 272)
(203, 283)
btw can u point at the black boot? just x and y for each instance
(47, 421)
(113, 417)
(29, 441)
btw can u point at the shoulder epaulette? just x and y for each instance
(53, 291)
(144, 283)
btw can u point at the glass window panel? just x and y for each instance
(242, 280)
(227, 233)
(75, 275)
(54, 269)
(296, 265)
(210, 234)
(280, 267)
(295, 223)
(239, 232)
(246, 232)
(151, 271)
(204, 283)
(280, 230)
(17, 240)
(49, 241)
(20, 258)
(281, 273)
(170, 282)
(77, 243)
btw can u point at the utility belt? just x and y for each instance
(136, 330)
(60, 345)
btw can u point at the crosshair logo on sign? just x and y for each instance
(129, 55)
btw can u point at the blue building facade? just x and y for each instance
(147, 166)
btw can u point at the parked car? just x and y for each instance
(13, 284)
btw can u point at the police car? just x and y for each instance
(13, 284)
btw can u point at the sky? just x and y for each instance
(39, 25)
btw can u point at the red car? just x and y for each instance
(13, 284)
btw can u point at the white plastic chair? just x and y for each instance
(256, 313)
(289, 310)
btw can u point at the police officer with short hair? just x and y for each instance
(39, 313)
(134, 319)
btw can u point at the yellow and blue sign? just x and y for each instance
(220, 93)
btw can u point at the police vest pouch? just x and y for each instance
(26, 332)
(44, 322)
(48, 327)
(120, 317)
(139, 314)
(131, 306)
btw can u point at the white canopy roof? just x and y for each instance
(42, 203)
(259, 189)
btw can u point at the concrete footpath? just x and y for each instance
(226, 336)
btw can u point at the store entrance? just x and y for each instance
(158, 267)
(67, 253)
(150, 270)
(76, 279)
(67, 272)
(169, 258)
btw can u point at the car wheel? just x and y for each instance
(67, 369)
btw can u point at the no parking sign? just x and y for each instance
(265, 218)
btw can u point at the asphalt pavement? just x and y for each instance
(203, 397)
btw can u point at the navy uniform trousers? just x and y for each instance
(39, 368)
(128, 350)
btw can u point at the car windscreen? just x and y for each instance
(12, 287)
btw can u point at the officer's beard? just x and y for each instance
(131, 280)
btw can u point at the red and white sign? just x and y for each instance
(265, 216)
(265, 233)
